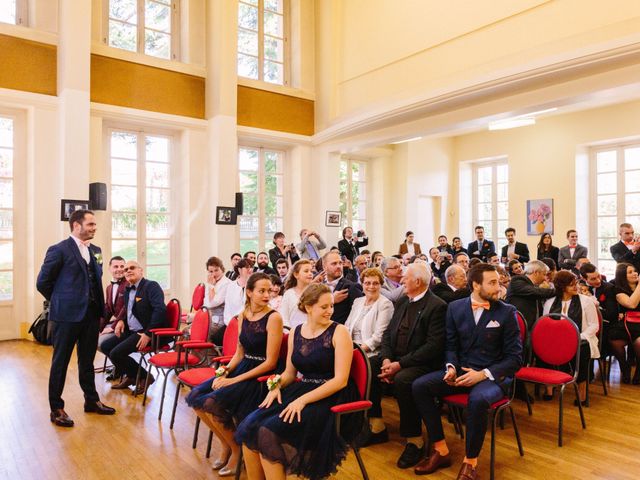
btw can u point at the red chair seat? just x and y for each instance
(171, 332)
(170, 359)
(196, 376)
(543, 375)
(223, 359)
(195, 345)
(352, 406)
(462, 400)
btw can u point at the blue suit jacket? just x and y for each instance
(475, 346)
(148, 307)
(64, 281)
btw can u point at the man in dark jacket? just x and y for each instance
(527, 292)
(628, 248)
(454, 286)
(344, 291)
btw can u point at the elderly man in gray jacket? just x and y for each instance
(310, 245)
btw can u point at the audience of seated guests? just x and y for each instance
(114, 307)
(360, 265)
(481, 247)
(454, 286)
(526, 292)
(367, 322)
(514, 267)
(350, 246)
(275, 292)
(546, 248)
(233, 273)
(478, 362)
(412, 346)
(294, 432)
(225, 400)
(439, 262)
(605, 294)
(569, 254)
(300, 278)
(493, 259)
(262, 265)
(392, 270)
(514, 250)
(282, 268)
(310, 245)
(215, 291)
(444, 246)
(234, 299)
(408, 246)
(582, 310)
(144, 301)
(553, 269)
(376, 259)
(344, 291)
(456, 246)
(251, 256)
(505, 279)
(282, 251)
(462, 260)
(627, 250)
(628, 297)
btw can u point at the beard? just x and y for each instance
(263, 264)
(488, 296)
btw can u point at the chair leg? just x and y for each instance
(138, 372)
(584, 425)
(144, 397)
(208, 454)
(363, 470)
(526, 397)
(494, 420)
(560, 398)
(516, 431)
(195, 433)
(601, 367)
(587, 396)
(175, 404)
(164, 389)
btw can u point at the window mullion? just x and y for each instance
(494, 201)
(620, 185)
(261, 40)
(262, 221)
(142, 198)
(141, 26)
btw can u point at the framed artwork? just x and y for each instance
(67, 207)
(540, 217)
(226, 216)
(332, 219)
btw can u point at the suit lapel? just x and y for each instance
(482, 324)
(421, 306)
(73, 246)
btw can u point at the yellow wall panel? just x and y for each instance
(28, 66)
(127, 84)
(274, 111)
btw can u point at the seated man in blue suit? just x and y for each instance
(144, 302)
(483, 352)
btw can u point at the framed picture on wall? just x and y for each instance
(67, 207)
(540, 216)
(226, 216)
(332, 219)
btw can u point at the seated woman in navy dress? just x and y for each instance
(228, 398)
(293, 431)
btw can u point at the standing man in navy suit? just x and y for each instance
(483, 352)
(482, 247)
(70, 278)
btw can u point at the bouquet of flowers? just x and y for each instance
(273, 381)
(221, 371)
(540, 214)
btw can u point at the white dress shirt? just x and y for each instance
(84, 249)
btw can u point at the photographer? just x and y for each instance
(288, 252)
(310, 245)
(349, 246)
(440, 262)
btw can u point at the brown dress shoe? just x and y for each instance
(99, 408)
(467, 472)
(125, 383)
(432, 463)
(60, 418)
(141, 387)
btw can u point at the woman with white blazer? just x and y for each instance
(369, 318)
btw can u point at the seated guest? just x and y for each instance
(440, 262)
(462, 260)
(505, 280)
(263, 265)
(360, 265)
(455, 285)
(443, 246)
(294, 432)
(282, 251)
(493, 259)
(367, 322)
(526, 292)
(310, 245)
(546, 248)
(480, 361)
(408, 246)
(392, 270)
(114, 308)
(582, 310)
(627, 250)
(344, 291)
(411, 346)
(570, 253)
(300, 278)
(456, 246)
(350, 246)
(514, 267)
(553, 269)
(376, 259)
(275, 292)
(482, 247)
(234, 300)
(473, 262)
(282, 267)
(251, 256)
(628, 297)
(605, 294)
(215, 291)
(225, 400)
(144, 300)
(514, 250)
(233, 273)
(367, 255)
(406, 260)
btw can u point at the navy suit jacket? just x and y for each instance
(487, 247)
(342, 310)
(498, 349)
(148, 307)
(64, 281)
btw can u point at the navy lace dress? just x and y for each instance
(310, 448)
(234, 402)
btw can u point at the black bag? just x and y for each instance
(40, 326)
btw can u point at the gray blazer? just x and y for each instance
(318, 244)
(565, 254)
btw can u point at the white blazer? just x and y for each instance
(373, 324)
(590, 324)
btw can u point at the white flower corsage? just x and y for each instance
(273, 381)
(221, 371)
(98, 257)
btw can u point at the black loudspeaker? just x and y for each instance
(239, 203)
(97, 196)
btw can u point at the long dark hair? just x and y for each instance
(620, 279)
(541, 246)
(251, 284)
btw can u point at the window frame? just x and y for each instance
(16, 169)
(21, 14)
(174, 50)
(286, 54)
(347, 220)
(497, 235)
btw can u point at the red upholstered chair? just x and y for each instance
(522, 325)
(197, 301)
(182, 357)
(555, 340)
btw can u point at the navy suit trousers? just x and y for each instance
(428, 387)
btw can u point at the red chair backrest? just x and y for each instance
(361, 372)
(230, 339)
(523, 327)
(284, 347)
(173, 313)
(555, 340)
(200, 326)
(197, 298)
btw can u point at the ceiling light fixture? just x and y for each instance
(519, 120)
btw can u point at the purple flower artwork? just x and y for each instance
(539, 217)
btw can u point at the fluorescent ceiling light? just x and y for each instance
(519, 121)
(407, 140)
(539, 112)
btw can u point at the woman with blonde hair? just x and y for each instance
(300, 276)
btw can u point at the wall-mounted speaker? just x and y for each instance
(239, 203)
(97, 196)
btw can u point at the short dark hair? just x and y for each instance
(587, 268)
(476, 273)
(117, 257)
(453, 239)
(281, 261)
(569, 232)
(459, 254)
(365, 252)
(277, 235)
(244, 263)
(214, 262)
(77, 216)
(474, 261)
(478, 227)
(491, 255)
(510, 229)
(263, 253)
(563, 279)
(246, 254)
(344, 230)
(550, 262)
(236, 254)
(444, 236)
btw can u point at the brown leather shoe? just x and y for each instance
(125, 383)
(467, 472)
(432, 463)
(60, 418)
(141, 387)
(99, 408)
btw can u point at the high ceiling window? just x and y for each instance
(491, 199)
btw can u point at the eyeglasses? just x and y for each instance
(371, 284)
(131, 268)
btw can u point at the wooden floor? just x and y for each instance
(133, 444)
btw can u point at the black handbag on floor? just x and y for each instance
(40, 326)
